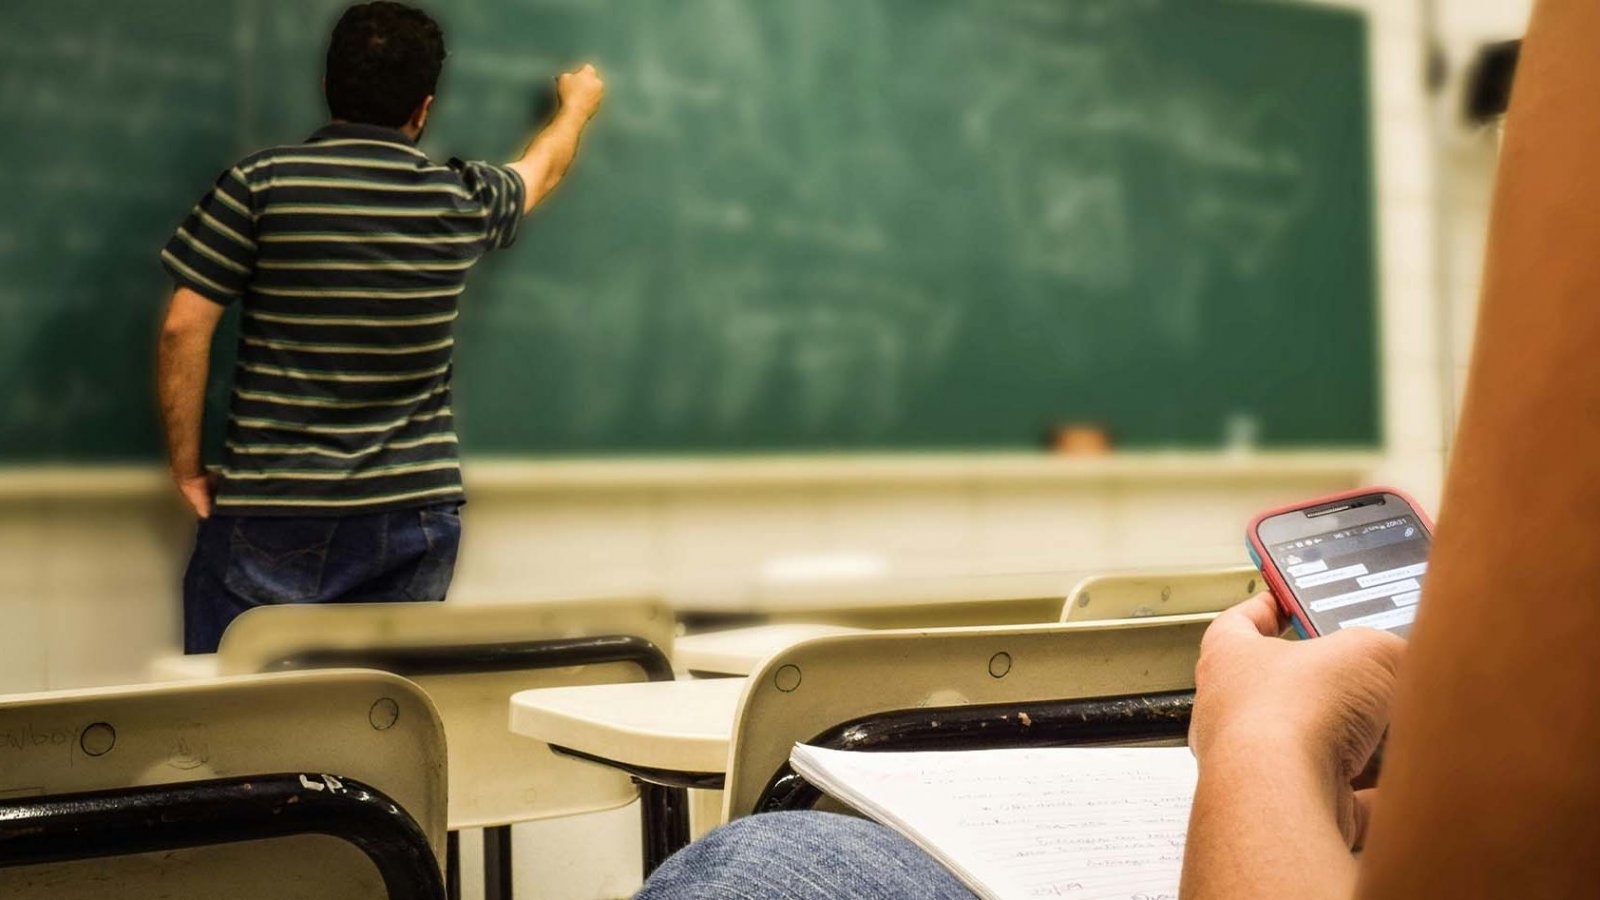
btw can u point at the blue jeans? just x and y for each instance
(241, 562)
(802, 856)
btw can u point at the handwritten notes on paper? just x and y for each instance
(1015, 824)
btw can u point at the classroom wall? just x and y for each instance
(88, 587)
(1414, 419)
(1467, 159)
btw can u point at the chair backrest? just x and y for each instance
(944, 601)
(1161, 593)
(803, 691)
(496, 777)
(373, 727)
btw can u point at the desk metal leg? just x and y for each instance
(497, 863)
(663, 803)
(664, 814)
(452, 866)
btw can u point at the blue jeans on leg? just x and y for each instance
(240, 562)
(803, 856)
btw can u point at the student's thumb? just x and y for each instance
(1371, 646)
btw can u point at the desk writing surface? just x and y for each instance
(682, 726)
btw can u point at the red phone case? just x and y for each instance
(1269, 570)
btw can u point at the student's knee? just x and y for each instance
(801, 856)
(734, 861)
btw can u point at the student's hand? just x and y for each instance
(581, 91)
(197, 491)
(1322, 703)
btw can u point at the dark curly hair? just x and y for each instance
(383, 59)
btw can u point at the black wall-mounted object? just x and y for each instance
(1489, 81)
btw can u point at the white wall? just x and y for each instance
(1467, 160)
(89, 587)
(1414, 410)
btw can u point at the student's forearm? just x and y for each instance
(1489, 791)
(183, 360)
(1266, 828)
(550, 155)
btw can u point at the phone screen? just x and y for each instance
(1367, 575)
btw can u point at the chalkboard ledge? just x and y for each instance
(493, 476)
(903, 469)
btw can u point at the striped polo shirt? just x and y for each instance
(348, 255)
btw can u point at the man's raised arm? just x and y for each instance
(548, 157)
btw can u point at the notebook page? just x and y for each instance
(1021, 824)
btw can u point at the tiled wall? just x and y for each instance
(1467, 161)
(711, 543)
(1413, 406)
(89, 588)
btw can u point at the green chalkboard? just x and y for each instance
(798, 224)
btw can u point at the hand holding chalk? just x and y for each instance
(581, 91)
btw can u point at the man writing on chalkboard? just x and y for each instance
(347, 255)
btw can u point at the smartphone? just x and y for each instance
(1352, 560)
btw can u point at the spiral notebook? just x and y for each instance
(1018, 824)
